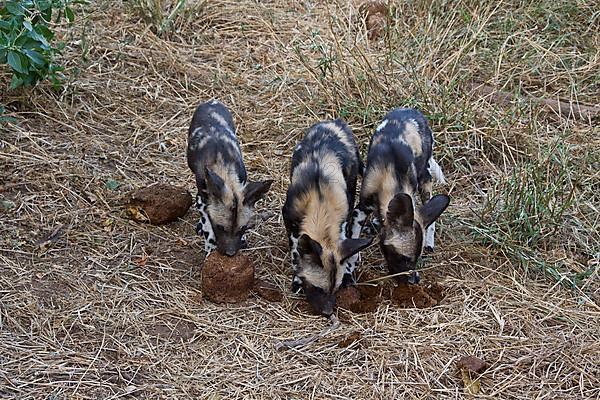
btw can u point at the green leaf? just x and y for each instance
(111, 184)
(69, 14)
(27, 25)
(15, 61)
(36, 57)
(15, 8)
(15, 82)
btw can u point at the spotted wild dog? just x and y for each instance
(325, 165)
(400, 164)
(225, 199)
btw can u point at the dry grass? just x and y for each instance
(105, 308)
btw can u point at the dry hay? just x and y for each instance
(94, 305)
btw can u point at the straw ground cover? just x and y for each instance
(93, 305)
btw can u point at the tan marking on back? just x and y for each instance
(412, 138)
(219, 118)
(340, 134)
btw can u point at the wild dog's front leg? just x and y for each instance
(425, 190)
(357, 219)
(296, 282)
(204, 227)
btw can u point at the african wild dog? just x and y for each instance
(322, 190)
(225, 200)
(400, 164)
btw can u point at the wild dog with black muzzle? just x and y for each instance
(325, 165)
(400, 164)
(225, 199)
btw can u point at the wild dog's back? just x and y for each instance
(212, 140)
(330, 145)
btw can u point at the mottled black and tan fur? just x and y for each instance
(324, 170)
(400, 166)
(225, 199)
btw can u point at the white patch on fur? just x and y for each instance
(436, 171)
(381, 125)
(219, 118)
(205, 227)
(351, 263)
(343, 230)
(357, 222)
(430, 237)
(294, 252)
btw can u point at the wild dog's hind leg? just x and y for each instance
(204, 227)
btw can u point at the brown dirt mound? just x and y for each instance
(365, 297)
(158, 204)
(227, 279)
(418, 296)
(360, 299)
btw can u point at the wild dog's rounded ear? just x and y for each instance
(352, 246)
(400, 211)
(431, 210)
(214, 184)
(306, 245)
(254, 191)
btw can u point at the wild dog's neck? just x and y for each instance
(388, 189)
(230, 177)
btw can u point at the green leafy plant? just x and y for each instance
(160, 14)
(527, 211)
(27, 40)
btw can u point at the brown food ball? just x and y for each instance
(158, 204)
(347, 297)
(376, 14)
(227, 279)
(472, 363)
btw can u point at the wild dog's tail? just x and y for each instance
(436, 171)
